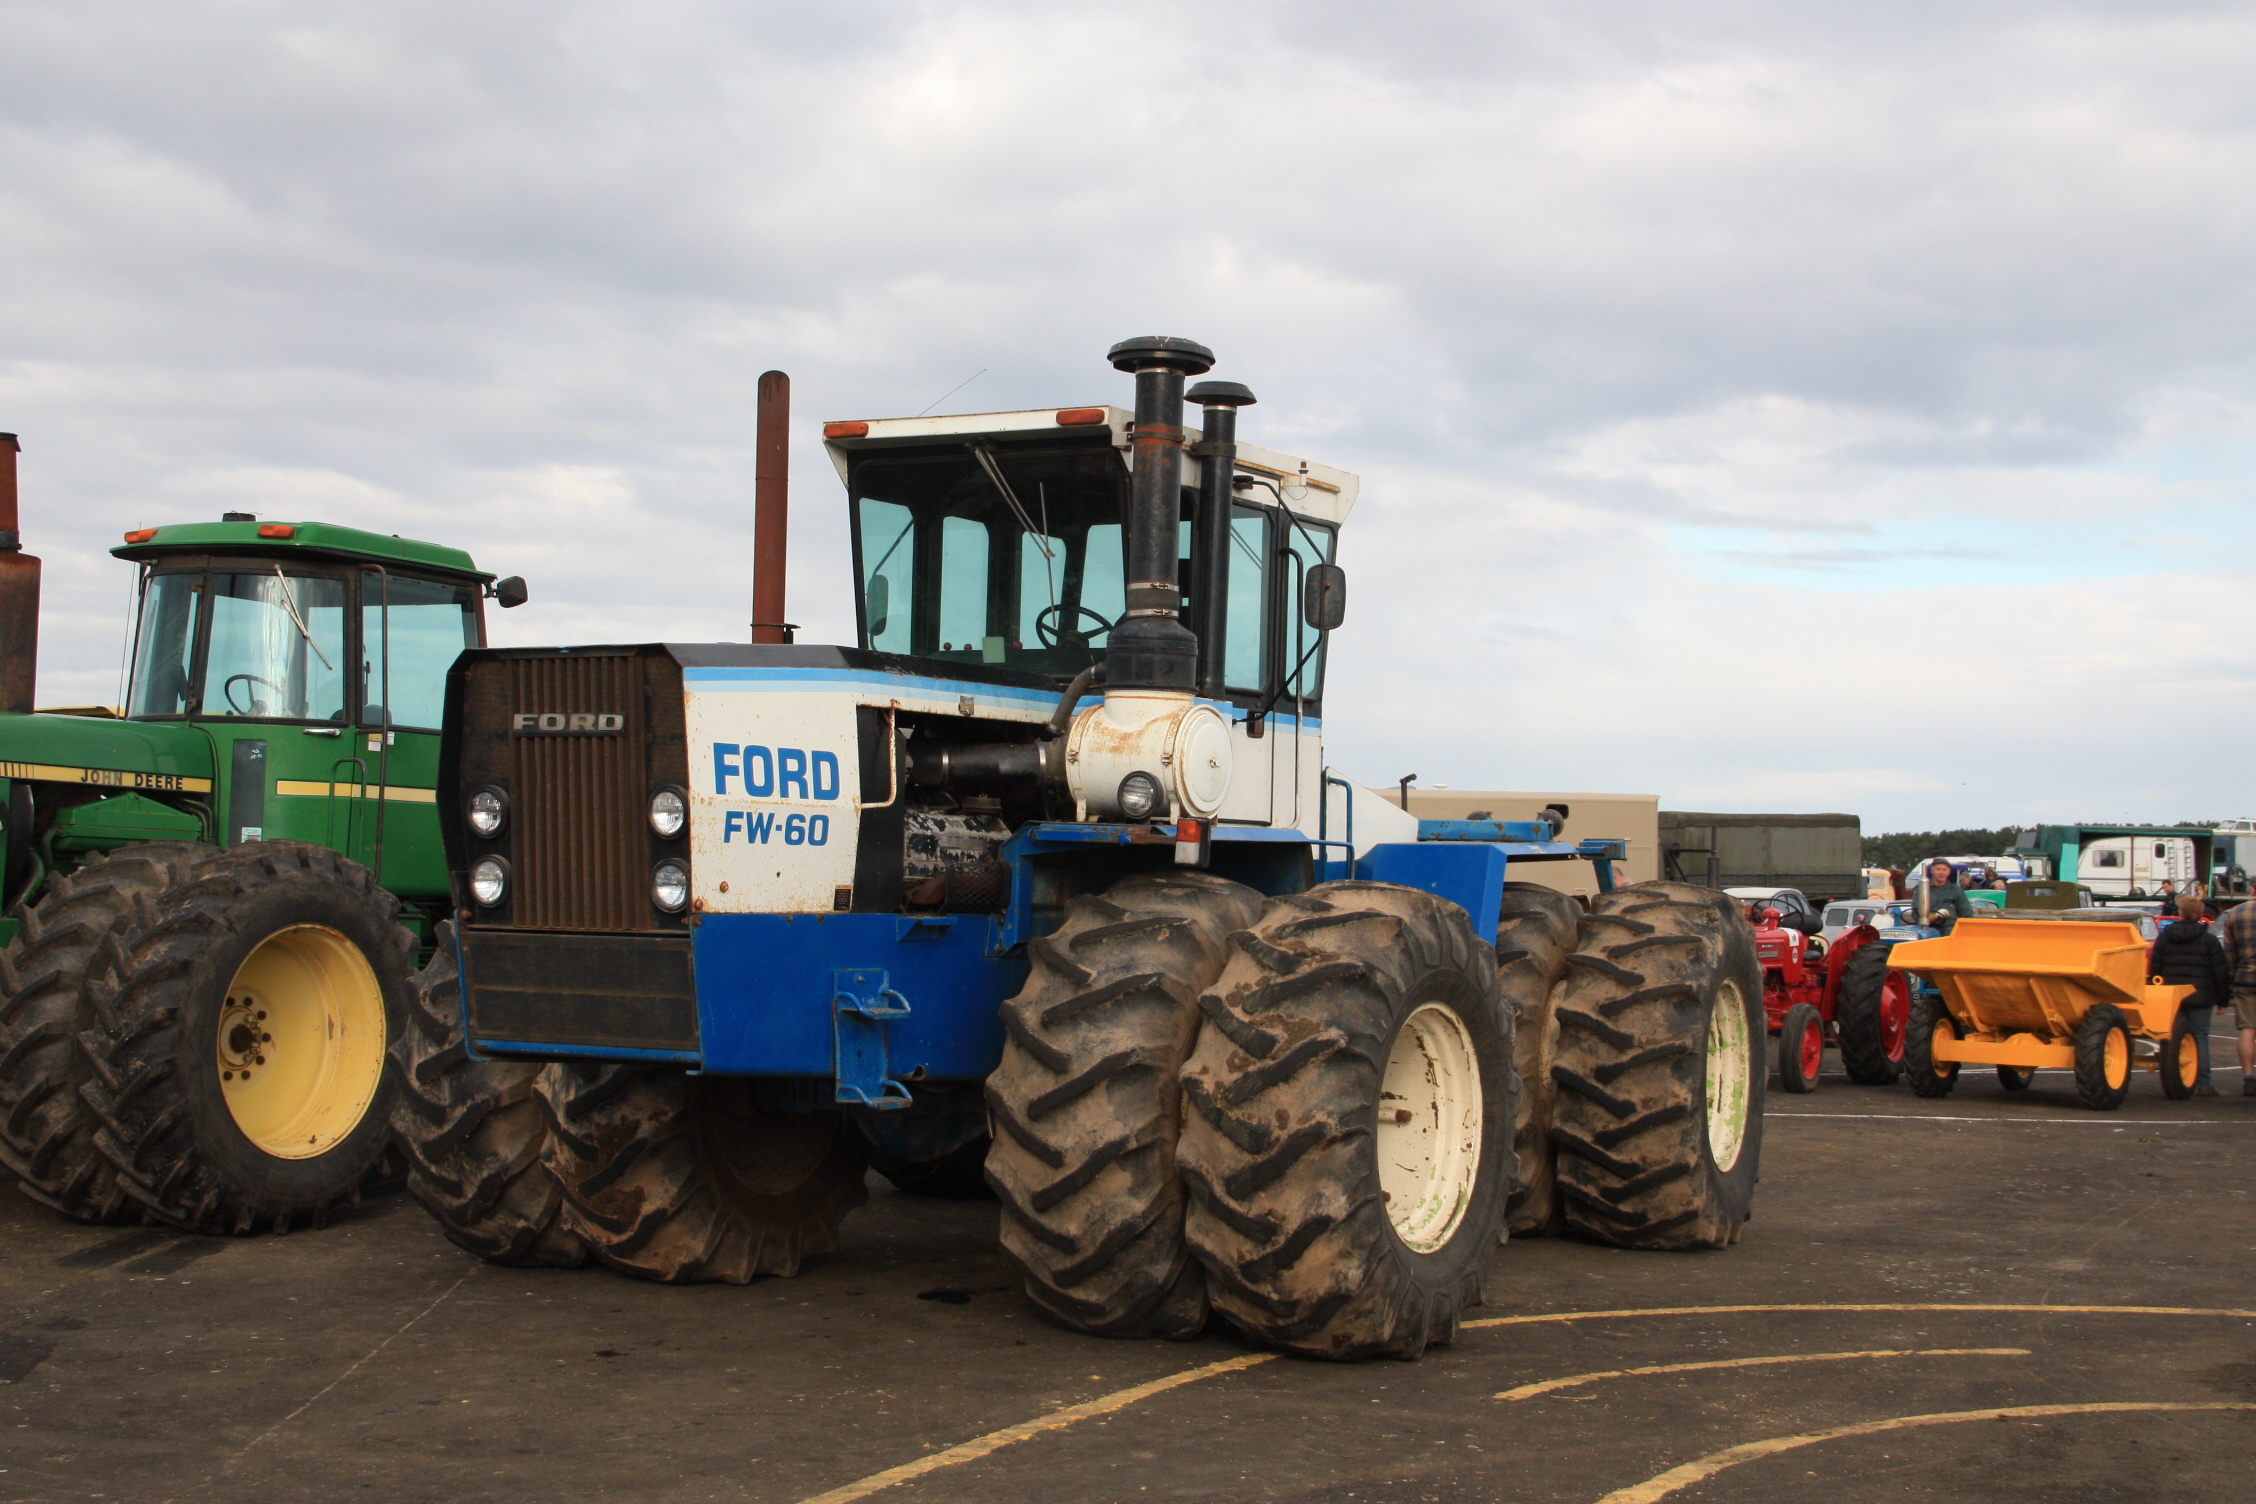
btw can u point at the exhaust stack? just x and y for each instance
(771, 503)
(1218, 454)
(19, 595)
(1151, 648)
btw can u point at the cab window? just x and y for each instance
(277, 647)
(411, 631)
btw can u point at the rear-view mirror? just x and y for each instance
(1324, 596)
(511, 592)
(878, 599)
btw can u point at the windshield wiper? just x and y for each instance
(290, 604)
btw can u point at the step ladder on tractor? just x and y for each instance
(1053, 853)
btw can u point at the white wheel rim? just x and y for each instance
(1429, 1130)
(1727, 1075)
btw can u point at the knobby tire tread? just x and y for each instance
(1279, 1148)
(1087, 1103)
(472, 1133)
(1635, 1167)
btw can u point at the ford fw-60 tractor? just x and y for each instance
(1045, 885)
(217, 892)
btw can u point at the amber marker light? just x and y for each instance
(845, 430)
(1079, 417)
(141, 535)
(278, 530)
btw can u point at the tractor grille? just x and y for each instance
(579, 843)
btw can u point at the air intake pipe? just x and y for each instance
(19, 595)
(1151, 648)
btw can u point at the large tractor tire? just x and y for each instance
(1348, 1151)
(1660, 1070)
(1928, 1076)
(46, 1130)
(1087, 1104)
(1534, 935)
(688, 1179)
(1870, 1016)
(472, 1132)
(239, 1039)
(2104, 1057)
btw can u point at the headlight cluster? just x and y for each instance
(487, 812)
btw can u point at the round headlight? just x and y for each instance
(488, 812)
(1140, 796)
(489, 881)
(669, 886)
(669, 812)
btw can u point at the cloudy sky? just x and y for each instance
(1769, 406)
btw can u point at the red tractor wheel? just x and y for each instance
(1801, 1048)
(1872, 1011)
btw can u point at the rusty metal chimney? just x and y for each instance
(19, 595)
(771, 501)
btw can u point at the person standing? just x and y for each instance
(2188, 955)
(1946, 902)
(2239, 936)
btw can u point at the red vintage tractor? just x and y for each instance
(1845, 991)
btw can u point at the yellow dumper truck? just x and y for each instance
(2025, 994)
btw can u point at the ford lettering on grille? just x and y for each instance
(567, 723)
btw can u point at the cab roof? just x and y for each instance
(283, 540)
(1313, 490)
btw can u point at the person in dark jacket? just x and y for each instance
(2186, 954)
(1947, 902)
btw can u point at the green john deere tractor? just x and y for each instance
(215, 895)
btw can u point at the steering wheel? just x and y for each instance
(1051, 629)
(256, 705)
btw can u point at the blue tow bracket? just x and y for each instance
(861, 1000)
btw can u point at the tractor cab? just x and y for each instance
(311, 659)
(998, 539)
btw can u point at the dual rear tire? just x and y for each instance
(196, 1038)
(1352, 1101)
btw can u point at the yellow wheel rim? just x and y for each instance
(2189, 1058)
(301, 1042)
(2118, 1059)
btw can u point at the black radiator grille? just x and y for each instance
(580, 842)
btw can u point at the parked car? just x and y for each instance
(1839, 918)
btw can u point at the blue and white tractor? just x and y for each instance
(1044, 887)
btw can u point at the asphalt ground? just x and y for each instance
(1991, 1296)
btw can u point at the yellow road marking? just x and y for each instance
(1120, 1399)
(1530, 1391)
(1667, 1483)
(1555, 1316)
(995, 1441)
(395, 793)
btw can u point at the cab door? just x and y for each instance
(410, 632)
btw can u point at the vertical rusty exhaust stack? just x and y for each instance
(771, 516)
(19, 595)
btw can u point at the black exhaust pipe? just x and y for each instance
(1218, 457)
(1151, 648)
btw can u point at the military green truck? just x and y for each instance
(216, 893)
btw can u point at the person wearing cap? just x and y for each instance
(1946, 902)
